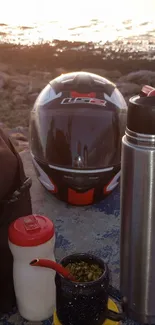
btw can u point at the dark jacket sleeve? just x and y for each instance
(8, 165)
(12, 176)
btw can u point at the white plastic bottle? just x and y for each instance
(33, 237)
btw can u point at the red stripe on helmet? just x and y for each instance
(75, 94)
(80, 198)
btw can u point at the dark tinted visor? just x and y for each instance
(82, 138)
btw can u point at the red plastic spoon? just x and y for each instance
(54, 266)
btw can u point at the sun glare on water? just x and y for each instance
(57, 19)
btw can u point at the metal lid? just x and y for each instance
(141, 112)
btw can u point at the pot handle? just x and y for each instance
(114, 316)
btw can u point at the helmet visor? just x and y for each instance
(82, 138)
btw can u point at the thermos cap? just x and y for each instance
(141, 112)
(32, 230)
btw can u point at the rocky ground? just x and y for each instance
(18, 91)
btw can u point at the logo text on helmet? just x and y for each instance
(84, 100)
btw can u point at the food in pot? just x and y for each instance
(85, 272)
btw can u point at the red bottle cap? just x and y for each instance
(151, 93)
(146, 90)
(32, 230)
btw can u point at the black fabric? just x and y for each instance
(12, 177)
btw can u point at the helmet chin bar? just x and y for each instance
(80, 189)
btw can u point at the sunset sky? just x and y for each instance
(26, 12)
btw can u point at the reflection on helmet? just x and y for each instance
(76, 127)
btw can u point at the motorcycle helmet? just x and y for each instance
(76, 126)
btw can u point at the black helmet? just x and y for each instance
(76, 127)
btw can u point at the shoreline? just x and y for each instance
(76, 56)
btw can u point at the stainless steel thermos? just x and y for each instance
(137, 246)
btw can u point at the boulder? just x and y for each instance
(41, 74)
(4, 67)
(128, 88)
(4, 77)
(32, 97)
(111, 75)
(141, 77)
(17, 80)
(18, 99)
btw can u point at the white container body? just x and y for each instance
(34, 285)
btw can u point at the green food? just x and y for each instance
(85, 272)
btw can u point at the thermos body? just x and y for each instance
(137, 249)
(137, 253)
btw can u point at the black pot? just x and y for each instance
(83, 303)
